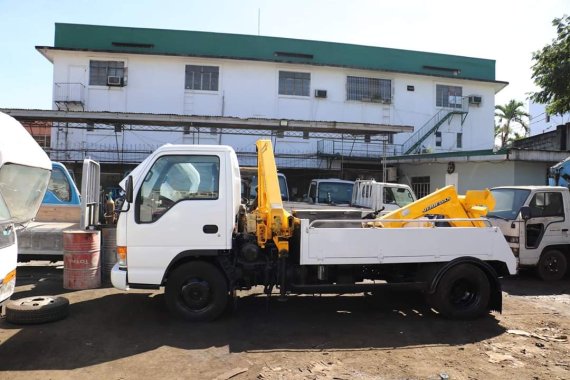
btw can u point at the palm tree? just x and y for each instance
(509, 116)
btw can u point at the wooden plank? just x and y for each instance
(57, 213)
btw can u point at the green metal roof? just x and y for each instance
(260, 48)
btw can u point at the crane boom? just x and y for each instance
(474, 204)
(273, 222)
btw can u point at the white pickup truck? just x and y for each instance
(183, 227)
(536, 222)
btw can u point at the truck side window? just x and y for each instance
(546, 204)
(313, 192)
(59, 185)
(175, 179)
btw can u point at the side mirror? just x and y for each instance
(525, 213)
(129, 190)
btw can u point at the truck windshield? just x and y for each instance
(508, 203)
(334, 192)
(398, 195)
(21, 191)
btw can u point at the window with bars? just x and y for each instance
(204, 78)
(100, 71)
(294, 83)
(438, 139)
(421, 186)
(369, 89)
(448, 96)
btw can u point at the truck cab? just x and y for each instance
(381, 196)
(535, 222)
(330, 191)
(24, 175)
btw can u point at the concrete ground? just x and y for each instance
(129, 335)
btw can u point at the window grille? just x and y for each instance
(369, 89)
(294, 83)
(421, 186)
(448, 96)
(203, 78)
(99, 71)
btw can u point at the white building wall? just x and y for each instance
(477, 175)
(540, 122)
(248, 89)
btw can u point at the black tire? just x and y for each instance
(40, 309)
(552, 265)
(196, 291)
(462, 293)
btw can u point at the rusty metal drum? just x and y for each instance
(81, 260)
(108, 252)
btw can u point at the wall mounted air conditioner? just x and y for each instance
(114, 81)
(320, 94)
(474, 99)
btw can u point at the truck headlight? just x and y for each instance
(512, 239)
(122, 256)
(8, 285)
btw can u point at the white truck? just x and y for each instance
(24, 174)
(381, 196)
(183, 227)
(535, 221)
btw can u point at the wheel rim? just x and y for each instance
(196, 294)
(551, 264)
(37, 302)
(464, 294)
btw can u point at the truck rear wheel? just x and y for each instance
(196, 291)
(462, 293)
(552, 265)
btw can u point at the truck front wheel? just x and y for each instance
(462, 293)
(196, 291)
(552, 265)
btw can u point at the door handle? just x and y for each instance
(565, 230)
(210, 229)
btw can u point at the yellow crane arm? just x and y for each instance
(474, 204)
(272, 220)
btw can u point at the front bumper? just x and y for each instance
(119, 278)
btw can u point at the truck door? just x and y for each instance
(545, 226)
(180, 206)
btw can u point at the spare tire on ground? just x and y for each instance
(39, 309)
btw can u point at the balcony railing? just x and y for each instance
(357, 149)
(69, 93)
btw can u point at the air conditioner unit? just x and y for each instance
(473, 99)
(320, 94)
(114, 81)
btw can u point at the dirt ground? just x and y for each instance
(118, 335)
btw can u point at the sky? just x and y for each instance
(507, 31)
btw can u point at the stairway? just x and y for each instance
(431, 126)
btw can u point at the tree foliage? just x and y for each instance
(551, 70)
(509, 117)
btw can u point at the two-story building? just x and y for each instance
(380, 92)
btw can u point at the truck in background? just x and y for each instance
(381, 196)
(24, 175)
(535, 221)
(62, 209)
(331, 191)
(211, 246)
(249, 184)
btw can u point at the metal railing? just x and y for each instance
(357, 149)
(410, 145)
(69, 92)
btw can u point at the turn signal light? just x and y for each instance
(9, 277)
(122, 255)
